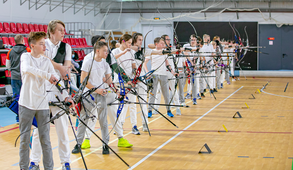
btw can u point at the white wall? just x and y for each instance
(12, 11)
(131, 21)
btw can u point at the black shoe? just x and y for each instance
(105, 150)
(202, 95)
(204, 90)
(76, 149)
(215, 90)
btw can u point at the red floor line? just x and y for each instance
(219, 131)
(9, 129)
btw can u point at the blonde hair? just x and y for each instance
(18, 39)
(205, 36)
(52, 26)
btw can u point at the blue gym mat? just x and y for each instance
(7, 117)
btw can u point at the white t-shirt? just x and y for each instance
(99, 70)
(34, 73)
(125, 61)
(51, 51)
(208, 48)
(158, 62)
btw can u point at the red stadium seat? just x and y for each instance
(5, 40)
(13, 27)
(25, 28)
(26, 41)
(45, 28)
(6, 27)
(77, 42)
(1, 28)
(72, 42)
(66, 40)
(19, 28)
(81, 42)
(7, 72)
(31, 27)
(80, 57)
(84, 42)
(41, 27)
(82, 53)
(12, 41)
(36, 27)
(3, 59)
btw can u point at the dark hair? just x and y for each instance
(99, 45)
(157, 40)
(35, 36)
(96, 38)
(134, 37)
(193, 36)
(113, 44)
(125, 37)
(164, 36)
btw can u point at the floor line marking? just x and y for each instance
(150, 154)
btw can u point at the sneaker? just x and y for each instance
(33, 166)
(188, 96)
(194, 101)
(183, 104)
(76, 149)
(86, 144)
(66, 166)
(228, 82)
(135, 130)
(105, 150)
(233, 79)
(144, 128)
(198, 96)
(150, 114)
(178, 111)
(114, 133)
(202, 95)
(124, 143)
(205, 90)
(211, 91)
(169, 113)
(221, 85)
(215, 90)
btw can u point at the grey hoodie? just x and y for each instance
(14, 57)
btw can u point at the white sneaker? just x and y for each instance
(178, 111)
(233, 79)
(155, 112)
(144, 128)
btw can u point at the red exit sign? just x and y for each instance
(271, 38)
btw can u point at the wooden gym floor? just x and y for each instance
(261, 139)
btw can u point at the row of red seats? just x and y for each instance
(81, 54)
(23, 28)
(11, 41)
(76, 42)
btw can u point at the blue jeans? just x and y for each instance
(16, 85)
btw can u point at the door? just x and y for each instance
(277, 51)
(269, 56)
(287, 47)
